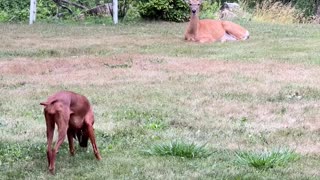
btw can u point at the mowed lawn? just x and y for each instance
(149, 87)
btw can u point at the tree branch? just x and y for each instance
(65, 3)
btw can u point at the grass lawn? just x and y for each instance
(164, 108)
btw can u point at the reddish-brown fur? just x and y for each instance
(209, 30)
(73, 115)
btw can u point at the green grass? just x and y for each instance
(180, 149)
(268, 159)
(150, 88)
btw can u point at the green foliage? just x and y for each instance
(180, 149)
(307, 6)
(209, 10)
(11, 153)
(267, 160)
(124, 6)
(45, 9)
(18, 10)
(168, 10)
(132, 15)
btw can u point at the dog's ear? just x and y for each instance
(44, 104)
(47, 103)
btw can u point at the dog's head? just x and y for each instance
(82, 138)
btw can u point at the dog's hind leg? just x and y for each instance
(93, 142)
(71, 135)
(62, 119)
(89, 120)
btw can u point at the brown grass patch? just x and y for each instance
(214, 82)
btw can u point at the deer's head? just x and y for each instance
(194, 6)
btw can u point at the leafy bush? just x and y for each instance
(132, 15)
(18, 10)
(168, 10)
(208, 10)
(306, 6)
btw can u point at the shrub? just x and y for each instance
(131, 15)
(18, 10)
(306, 6)
(168, 10)
(208, 10)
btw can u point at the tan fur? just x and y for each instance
(208, 30)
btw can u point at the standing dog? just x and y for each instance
(74, 117)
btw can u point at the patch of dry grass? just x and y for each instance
(276, 12)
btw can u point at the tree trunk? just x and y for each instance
(317, 7)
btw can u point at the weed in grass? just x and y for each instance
(153, 119)
(180, 149)
(267, 159)
(155, 125)
(156, 60)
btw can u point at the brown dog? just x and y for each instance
(74, 117)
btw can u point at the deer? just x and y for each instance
(209, 30)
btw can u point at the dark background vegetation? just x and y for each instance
(168, 10)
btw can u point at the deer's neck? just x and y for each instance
(193, 24)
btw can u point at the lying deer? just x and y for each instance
(209, 30)
(74, 117)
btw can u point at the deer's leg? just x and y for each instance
(235, 30)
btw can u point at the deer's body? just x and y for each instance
(209, 30)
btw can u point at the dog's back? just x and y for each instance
(78, 104)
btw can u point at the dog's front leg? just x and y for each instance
(62, 131)
(50, 130)
(62, 120)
